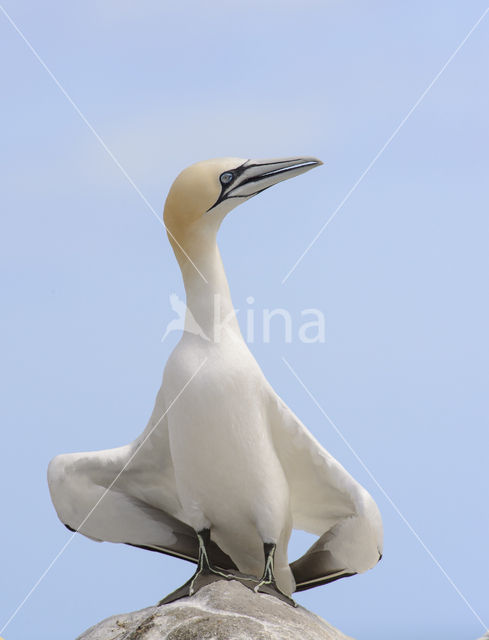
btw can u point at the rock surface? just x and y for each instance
(220, 611)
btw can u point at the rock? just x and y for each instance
(220, 611)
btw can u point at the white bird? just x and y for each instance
(224, 469)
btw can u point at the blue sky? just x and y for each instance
(400, 274)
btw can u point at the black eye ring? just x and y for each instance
(226, 177)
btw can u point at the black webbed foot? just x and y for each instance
(207, 574)
(267, 584)
(196, 582)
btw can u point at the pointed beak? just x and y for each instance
(254, 176)
(258, 175)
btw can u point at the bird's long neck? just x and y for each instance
(209, 305)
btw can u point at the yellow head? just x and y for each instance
(206, 191)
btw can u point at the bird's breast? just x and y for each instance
(219, 431)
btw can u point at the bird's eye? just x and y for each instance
(227, 177)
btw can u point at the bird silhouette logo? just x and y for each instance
(178, 324)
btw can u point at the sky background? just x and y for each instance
(400, 274)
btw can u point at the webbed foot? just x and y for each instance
(267, 584)
(271, 589)
(207, 574)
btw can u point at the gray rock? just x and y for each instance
(219, 611)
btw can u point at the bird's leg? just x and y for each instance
(268, 577)
(204, 566)
(267, 583)
(206, 573)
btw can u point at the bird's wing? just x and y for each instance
(127, 495)
(326, 501)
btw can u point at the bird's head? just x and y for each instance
(206, 191)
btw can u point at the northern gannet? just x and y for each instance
(224, 469)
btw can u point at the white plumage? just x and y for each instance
(221, 450)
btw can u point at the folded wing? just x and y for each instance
(127, 495)
(325, 501)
